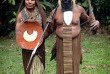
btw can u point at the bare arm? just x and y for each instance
(84, 15)
(95, 23)
(51, 26)
(51, 20)
(18, 21)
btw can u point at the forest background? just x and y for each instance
(9, 8)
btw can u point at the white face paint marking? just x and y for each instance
(31, 37)
(68, 16)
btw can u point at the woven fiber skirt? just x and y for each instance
(38, 62)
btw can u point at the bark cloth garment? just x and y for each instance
(67, 63)
(76, 57)
(38, 63)
(39, 56)
(58, 52)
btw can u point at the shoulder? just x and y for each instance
(52, 13)
(19, 16)
(81, 9)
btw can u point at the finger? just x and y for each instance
(92, 28)
(49, 20)
(95, 27)
(92, 24)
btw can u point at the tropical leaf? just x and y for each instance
(12, 20)
(13, 2)
(4, 1)
(14, 13)
(43, 6)
(9, 1)
(47, 4)
(85, 4)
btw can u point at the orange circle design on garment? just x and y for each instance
(28, 35)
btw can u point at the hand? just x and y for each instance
(95, 25)
(49, 19)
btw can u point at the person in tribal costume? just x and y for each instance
(66, 24)
(31, 11)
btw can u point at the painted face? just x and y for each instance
(67, 5)
(30, 4)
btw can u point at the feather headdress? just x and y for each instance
(59, 2)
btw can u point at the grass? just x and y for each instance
(96, 54)
(95, 49)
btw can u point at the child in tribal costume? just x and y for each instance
(38, 63)
(66, 24)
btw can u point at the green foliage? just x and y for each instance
(10, 57)
(9, 11)
(12, 35)
(101, 9)
(84, 4)
(9, 1)
(13, 13)
(12, 20)
(46, 5)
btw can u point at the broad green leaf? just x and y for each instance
(12, 20)
(13, 2)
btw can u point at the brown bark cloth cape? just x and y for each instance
(58, 52)
(39, 59)
(76, 55)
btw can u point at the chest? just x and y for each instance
(25, 15)
(59, 17)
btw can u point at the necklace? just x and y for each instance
(31, 15)
(35, 15)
